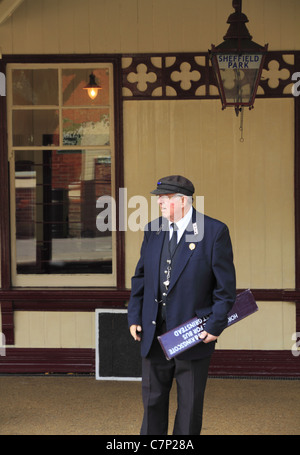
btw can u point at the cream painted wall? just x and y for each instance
(54, 329)
(130, 26)
(247, 185)
(269, 328)
(51, 329)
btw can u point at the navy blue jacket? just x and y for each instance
(202, 281)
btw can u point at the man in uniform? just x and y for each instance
(185, 270)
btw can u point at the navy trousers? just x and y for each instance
(157, 379)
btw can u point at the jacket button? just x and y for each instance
(153, 322)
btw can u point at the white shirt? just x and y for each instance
(181, 224)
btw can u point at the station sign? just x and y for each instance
(243, 61)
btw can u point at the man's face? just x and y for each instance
(171, 206)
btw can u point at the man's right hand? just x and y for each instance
(135, 331)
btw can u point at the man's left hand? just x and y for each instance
(207, 337)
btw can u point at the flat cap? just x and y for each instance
(174, 184)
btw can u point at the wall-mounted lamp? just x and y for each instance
(238, 63)
(92, 87)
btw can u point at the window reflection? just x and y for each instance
(35, 127)
(86, 127)
(75, 79)
(60, 154)
(35, 87)
(55, 196)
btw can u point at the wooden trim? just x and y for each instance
(4, 195)
(275, 364)
(47, 360)
(91, 299)
(298, 317)
(225, 363)
(7, 314)
(115, 60)
(65, 299)
(297, 194)
(297, 179)
(119, 170)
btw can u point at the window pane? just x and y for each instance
(35, 87)
(56, 194)
(74, 81)
(238, 81)
(86, 127)
(35, 127)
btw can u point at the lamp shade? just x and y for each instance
(92, 87)
(238, 62)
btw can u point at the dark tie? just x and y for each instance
(173, 241)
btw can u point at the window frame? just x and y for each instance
(116, 279)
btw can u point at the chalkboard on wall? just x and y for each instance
(117, 354)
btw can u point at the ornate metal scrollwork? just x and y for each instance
(190, 76)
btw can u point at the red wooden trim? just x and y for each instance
(114, 59)
(67, 305)
(65, 299)
(119, 169)
(4, 195)
(298, 316)
(7, 315)
(90, 299)
(255, 363)
(226, 363)
(40, 360)
(297, 179)
(297, 194)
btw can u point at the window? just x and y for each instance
(62, 157)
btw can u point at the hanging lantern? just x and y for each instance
(92, 87)
(238, 63)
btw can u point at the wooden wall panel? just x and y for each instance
(131, 26)
(270, 328)
(247, 185)
(50, 27)
(38, 329)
